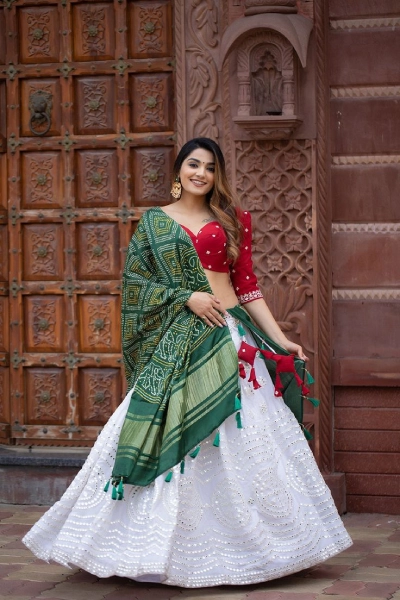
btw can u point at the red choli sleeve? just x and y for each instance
(243, 278)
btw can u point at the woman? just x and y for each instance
(215, 480)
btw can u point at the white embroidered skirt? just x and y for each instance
(253, 509)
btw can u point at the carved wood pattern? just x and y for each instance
(102, 389)
(151, 107)
(152, 170)
(98, 246)
(44, 323)
(4, 324)
(95, 98)
(71, 198)
(96, 178)
(99, 330)
(39, 34)
(43, 259)
(45, 391)
(149, 27)
(42, 173)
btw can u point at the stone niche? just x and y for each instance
(262, 48)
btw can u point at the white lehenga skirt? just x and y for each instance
(253, 509)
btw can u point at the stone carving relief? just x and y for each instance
(275, 184)
(93, 30)
(44, 323)
(38, 34)
(202, 70)
(265, 71)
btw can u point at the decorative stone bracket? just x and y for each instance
(264, 47)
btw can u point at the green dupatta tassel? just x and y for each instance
(238, 404)
(241, 330)
(168, 477)
(107, 486)
(239, 421)
(195, 452)
(120, 490)
(216, 440)
(182, 466)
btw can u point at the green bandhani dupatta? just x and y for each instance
(184, 374)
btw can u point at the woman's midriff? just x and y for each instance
(221, 286)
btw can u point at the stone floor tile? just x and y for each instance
(207, 594)
(395, 537)
(379, 560)
(296, 584)
(32, 589)
(6, 569)
(25, 518)
(346, 597)
(345, 587)
(373, 574)
(396, 596)
(79, 591)
(361, 547)
(383, 590)
(78, 576)
(13, 529)
(388, 548)
(325, 571)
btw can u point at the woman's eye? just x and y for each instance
(193, 165)
(211, 169)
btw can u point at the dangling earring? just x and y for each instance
(176, 189)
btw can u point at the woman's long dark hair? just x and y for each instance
(221, 201)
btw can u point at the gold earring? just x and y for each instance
(176, 190)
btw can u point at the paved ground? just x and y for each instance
(370, 569)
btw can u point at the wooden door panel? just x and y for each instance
(98, 250)
(43, 256)
(3, 254)
(4, 404)
(150, 29)
(2, 37)
(45, 396)
(151, 168)
(42, 174)
(94, 31)
(77, 178)
(96, 178)
(44, 324)
(95, 105)
(99, 324)
(49, 90)
(151, 109)
(100, 388)
(39, 34)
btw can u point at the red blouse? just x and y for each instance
(210, 244)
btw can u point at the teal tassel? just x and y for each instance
(106, 487)
(307, 434)
(310, 378)
(114, 493)
(241, 329)
(239, 421)
(238, 404)
(195, 452)
(120, 489)
(313, 401)
(168, 477)
(216, 440)
(182, 466)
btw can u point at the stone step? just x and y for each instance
(37, 475)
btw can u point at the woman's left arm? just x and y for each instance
(262, 316)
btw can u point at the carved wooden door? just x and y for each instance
(87, 113)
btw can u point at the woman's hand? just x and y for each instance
(207, 307)
(294, 349)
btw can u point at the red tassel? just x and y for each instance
(252, 374)
(242, 372)
(256, 385)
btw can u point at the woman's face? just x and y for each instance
(197, 172)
